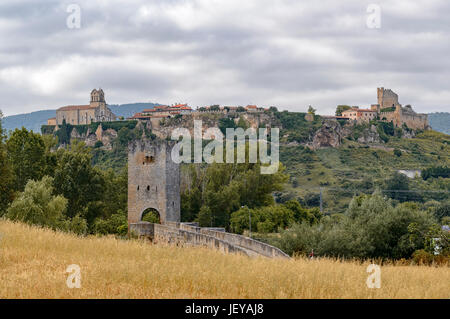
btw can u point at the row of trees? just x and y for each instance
(59, 189)
(214, 192)
(372, 227)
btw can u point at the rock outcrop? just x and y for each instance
(329, 135)
(370, 135)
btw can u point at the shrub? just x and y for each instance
(116, 224)
(435, 172)
(371, 228)
(38, 206)
(397, 152)
(98, 144)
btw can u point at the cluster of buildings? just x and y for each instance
(163, 111)
(388, 109)
(98, 111)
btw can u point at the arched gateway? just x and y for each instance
(153, 180)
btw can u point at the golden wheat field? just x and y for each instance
(33, 263)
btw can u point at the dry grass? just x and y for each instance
(33, 263)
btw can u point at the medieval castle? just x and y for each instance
(95, 111)
(390, 110)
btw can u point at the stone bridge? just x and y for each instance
(189, 234)
(154, 183)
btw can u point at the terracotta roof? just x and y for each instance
(252, 107)
(52, 118)
(75, 107)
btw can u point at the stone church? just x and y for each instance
(95, 111)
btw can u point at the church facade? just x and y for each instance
(96, 111)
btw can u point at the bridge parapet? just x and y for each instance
(239, 240)
(191, 234)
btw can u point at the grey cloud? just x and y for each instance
(269, 52)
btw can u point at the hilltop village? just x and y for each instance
(161, 118)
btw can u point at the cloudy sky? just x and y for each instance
(286, 53)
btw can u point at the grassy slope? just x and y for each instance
(347, 166)
(33, 263)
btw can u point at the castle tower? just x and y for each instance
(153, 180)
(380, 92)
(387, 98)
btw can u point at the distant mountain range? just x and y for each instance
(440, 121)
(33, 121)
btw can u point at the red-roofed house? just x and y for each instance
(360, 115)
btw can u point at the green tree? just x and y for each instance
(224, 188)
(242, 123)
(342, 108)
(302, 214)
(6, 177)
(397, 187)
(225, 123)
(205, 217)
(214, 108)
(63, 133)
(311, 110)
(79, 182)
(116, 224)
(26, 154)
(38, 205)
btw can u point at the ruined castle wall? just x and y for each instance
(416, 121)
(391, 117)
(412, 120)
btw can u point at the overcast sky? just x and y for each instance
(230, 52)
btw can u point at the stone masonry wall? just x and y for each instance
(171, 235)
(256, 246)
(153, 180)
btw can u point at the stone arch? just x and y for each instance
(151, 215)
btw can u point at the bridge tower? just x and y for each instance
(153, 180)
